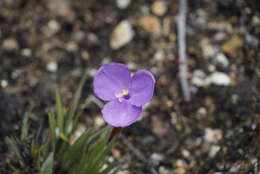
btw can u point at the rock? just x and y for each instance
(61, 7)
(158, 126)
(198, 78)
(164, 170)
(212, 135)
(116, 153)
(81, 128)
(78, 36)
(179, 170)
(123, 172)
(99, 121)
(52, 66)
(185, 153)
(202, 112)
(232, 46)
(208, 50)
(220, 36)
(71, 46)
(235, 168)
(156, 158)
(122, 4)
(159, 8)
(122, 34)
(252, 40)
(222, 59)
(150, 24)
(218, 78)
(54, 26)
(10, 44)
(214, 149)
(26, 52)
(159, 55)
(4, 83)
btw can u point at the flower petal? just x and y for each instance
(142, 87)
(120, 114)
(110, 79)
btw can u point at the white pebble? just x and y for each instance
(54, 26)
(4, 83)
(156, 158)
(198, 78)
(99, 121)
(26, 52)
(122, 4)
(212, 135)
(122, 34)
(218, 78)
(214, 150)
(222, 59)
(52, 66)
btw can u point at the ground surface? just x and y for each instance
(43, 43)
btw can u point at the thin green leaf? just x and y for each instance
(52, 124)
(74, 153)
(47, 166)
(59, 109)
(74, 105)
(12, 145)
(25, 127)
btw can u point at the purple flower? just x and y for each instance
(125, 94)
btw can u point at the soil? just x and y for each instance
(49, 42)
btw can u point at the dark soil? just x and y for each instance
(218, 131)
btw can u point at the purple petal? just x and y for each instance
(110, 79)
(120, 114)
(142, 87)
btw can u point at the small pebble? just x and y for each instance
(26, 52)
(158, 126)
(52, 66)
(218, 78)
(198, 78)
(222, 59)
(202, 111)
(54, 26)
(232, 45)
(235, 168)
(150, 24)
(123, 172)
(122, 4)
(185, 153)
(159, 55)
(71, 46)
(10, 44)
(164, 170)
(99, 121)
(122, 34)
(214, 149)
(156, 158)
(207, 48)
(78, 36)
(212, 135)
(159, 8)
(116, 153)
(181, 163)
(4, 83)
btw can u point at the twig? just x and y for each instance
(136, 152)
(114, 133)
(181, 26)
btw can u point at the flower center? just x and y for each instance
(124, 94)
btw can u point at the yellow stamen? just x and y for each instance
(125, 92)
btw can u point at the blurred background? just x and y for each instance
(49, 42)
